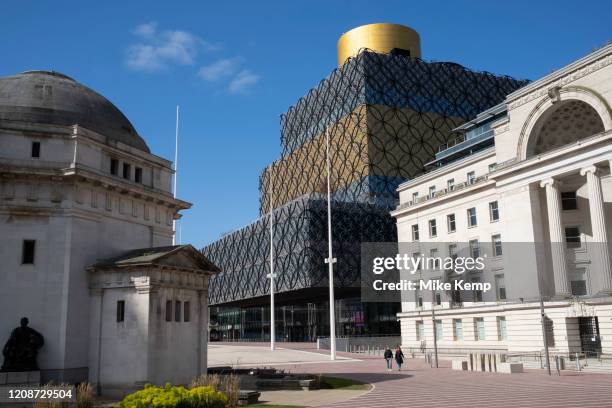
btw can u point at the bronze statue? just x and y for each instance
(22, 348)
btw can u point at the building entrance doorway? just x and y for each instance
(589, 336)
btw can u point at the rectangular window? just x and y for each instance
(550, 331)
(493, 211)
(168, 310)
(186, 311)
(127, 171)
(415, 197)
(36, 149)
(474, 248)
(177, 311)
(450, 222)
(438, 299)
(138, 175)
(578, 282)
(471, 177)
(502, 332)
(572, 237)
(479, 328)
(436, 261)
(418, 298)
(477, 293)
(432, 191)
(471, 217)
(28, 250)
(450, 184)
(416, 256)
(496, 242)
(456, 297)
(415, 232)
(433, 229)
(420, 330)
(492, 167)
(114, 167)
(438, 329)
(569, 201)
(452, 250)
(500, 287)
(457, 329)
(120, 310)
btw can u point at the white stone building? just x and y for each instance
(79, 185)
(532, 171)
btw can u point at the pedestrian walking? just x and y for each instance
(389, 358)
(399, 358)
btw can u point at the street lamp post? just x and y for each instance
(271, 275)
(330, 260)
(433, 319)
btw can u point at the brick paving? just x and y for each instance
(418, 385)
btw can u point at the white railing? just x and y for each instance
(441, 193)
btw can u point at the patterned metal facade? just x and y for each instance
(385, 116)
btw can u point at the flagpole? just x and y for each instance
(176, 140)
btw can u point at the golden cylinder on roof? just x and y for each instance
(380, 37)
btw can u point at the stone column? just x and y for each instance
(601, 253)
(557, 237)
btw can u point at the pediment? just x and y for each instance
(178, 256)
(189, 258)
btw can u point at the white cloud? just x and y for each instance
(146, 30)
(243, 81)
(219, 69)
(157, 50)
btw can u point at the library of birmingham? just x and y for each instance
(517, 169)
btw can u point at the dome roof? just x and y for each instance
(48, 97)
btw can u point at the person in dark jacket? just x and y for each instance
(389, 358)
(399, 358)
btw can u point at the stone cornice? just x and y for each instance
(147, 279)
(96, 216)
(572, 72)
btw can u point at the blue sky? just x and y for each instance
(235, 66)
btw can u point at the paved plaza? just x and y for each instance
(418, 385)
(260, 355)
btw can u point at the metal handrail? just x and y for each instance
(460, 139)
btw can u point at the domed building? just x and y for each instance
(86, 234)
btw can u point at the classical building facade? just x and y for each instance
(529, 184)
(79, 185)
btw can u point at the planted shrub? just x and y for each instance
(84, 396)
(175, 397)
(229, 384)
